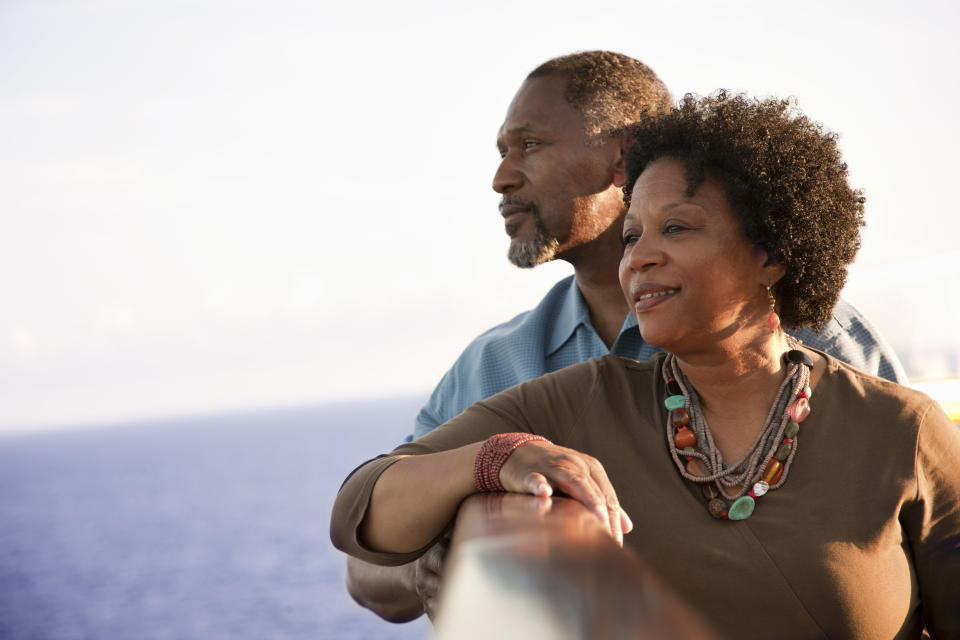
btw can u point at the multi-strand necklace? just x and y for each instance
(731, 491)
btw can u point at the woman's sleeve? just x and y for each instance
(933, 524)
(546, 406)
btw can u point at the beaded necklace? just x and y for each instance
(731, 491)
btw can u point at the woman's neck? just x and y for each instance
(737, 387)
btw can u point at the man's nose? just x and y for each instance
(507, 178)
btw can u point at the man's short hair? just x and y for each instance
(610, 89)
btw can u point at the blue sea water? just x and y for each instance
(213, 527)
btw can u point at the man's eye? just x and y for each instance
(672, 228)
(529, 144)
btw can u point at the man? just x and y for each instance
(560, 179)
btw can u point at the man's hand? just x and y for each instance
(429, 569)
(399, 594)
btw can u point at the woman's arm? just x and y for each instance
(933, 523)
(415, 498)
(390, 509)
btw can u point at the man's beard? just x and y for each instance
(542, 248)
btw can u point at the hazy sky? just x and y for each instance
(212, 205)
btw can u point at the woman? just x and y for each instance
(780, 492)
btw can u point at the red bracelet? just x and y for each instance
(494, 452)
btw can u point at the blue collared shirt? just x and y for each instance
(557, 333)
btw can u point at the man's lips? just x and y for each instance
(646, 296)
(512, 215)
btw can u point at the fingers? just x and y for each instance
(542, 467)
(428, 571)
(538, 485)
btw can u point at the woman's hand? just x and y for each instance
(539, 468)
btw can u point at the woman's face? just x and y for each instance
(689, 272)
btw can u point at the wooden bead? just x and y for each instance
(695, 467)
(684, 438)
(679, 417)
(717, 507)
(771, 475)
(799, 357)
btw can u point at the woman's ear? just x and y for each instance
(771, 270)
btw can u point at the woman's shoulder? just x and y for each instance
(873, 395)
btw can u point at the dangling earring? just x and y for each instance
(773, 320)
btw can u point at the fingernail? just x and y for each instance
(627, 522)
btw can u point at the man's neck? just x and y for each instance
(596, 270)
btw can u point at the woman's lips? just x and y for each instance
(647, 297)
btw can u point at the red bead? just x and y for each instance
(725, 515)
(803, 394)
(752, 494)
(788, 440)
(800, 410)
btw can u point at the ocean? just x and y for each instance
(208, 528)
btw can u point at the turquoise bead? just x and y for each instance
(675, 402)
(808, 391)
(742, 508)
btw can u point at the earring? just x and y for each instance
(773, 320)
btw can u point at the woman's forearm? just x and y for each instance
(415, 498)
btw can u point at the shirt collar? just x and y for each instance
(572, 313)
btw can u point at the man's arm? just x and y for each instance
(389, 592)
(399, 594)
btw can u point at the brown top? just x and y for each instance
(863, 540)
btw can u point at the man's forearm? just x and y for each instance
(390, 592)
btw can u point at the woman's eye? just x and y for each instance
(529, 144)
(672, 228)
(629, 239)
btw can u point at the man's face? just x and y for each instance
(557, 190)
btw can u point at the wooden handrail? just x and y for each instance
(539, 568)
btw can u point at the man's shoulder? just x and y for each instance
(851, 338)
(528, 325)
(497, 359)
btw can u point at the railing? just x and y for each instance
(541, 568)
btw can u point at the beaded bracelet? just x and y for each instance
(493, 454)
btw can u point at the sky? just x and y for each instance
(213, 205)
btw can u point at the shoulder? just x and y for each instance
(876, 400)
(559, 398)
(497, 359)
(850, 337)
(608, 374)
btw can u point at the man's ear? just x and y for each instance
(618, 165)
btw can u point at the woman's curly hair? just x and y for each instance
(782, 174)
